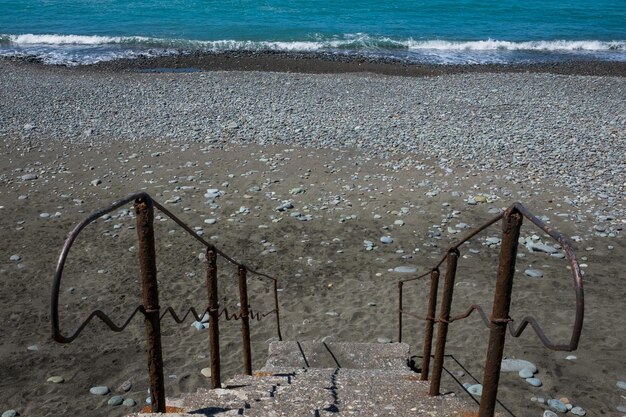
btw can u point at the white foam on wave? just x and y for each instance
(496, 45)
(83, 49)
(31, 39)
(352, 40)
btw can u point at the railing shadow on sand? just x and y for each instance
(499, 320)
(144, 209)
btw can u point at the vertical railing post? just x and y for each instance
(245, 320)
(430, 324)
(214, 329)
(511, 225)
(150, 296)
(400, 312)
(444, 317)
(280, 336)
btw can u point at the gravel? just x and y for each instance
(565, 130)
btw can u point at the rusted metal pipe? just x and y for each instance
(214, 329)
(280, 336)
(245, 321)
(444, 316)
(150, 297)
(511, 225)
(430, 324)
(400, 312)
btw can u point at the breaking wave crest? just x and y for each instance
(82, 49)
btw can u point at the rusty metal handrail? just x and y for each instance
(150, 308)
(499, 320)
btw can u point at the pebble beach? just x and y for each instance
(340, 184)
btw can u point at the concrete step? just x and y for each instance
(337, 355)
(325, 379)
(363, 392)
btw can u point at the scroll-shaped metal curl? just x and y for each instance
(71, 238)
(568, 249)
(578, 287)
(69, 242)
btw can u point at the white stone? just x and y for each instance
(516, 365)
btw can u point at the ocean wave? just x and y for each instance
(84, 49)
(348, 41)
(495, 45)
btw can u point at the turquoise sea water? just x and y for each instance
(434, 31)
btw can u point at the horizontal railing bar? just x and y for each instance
(408, 313)
(469, 311)
(425, 274)
(458, 244)
(207, 244)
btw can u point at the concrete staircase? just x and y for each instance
(325, 379)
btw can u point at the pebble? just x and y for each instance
(10, 413)
(99, 390)
(386, 239)
(621, 408)
(578, 411)
(516, 365)
(405, 269)
(129, 402)
(210, 221)
(549, 413)
(571, 358)
(399, 222)
(206, 372)
(56, 379)
(174, 200)
(557, 406)
(212, 193)
(476, 389)
(29, 177)
(526, 373)
(533, 273)
(116, 400)
(535, 382)
(285, 206)
(198, 325)
(44, 215)
(96, 182)
(15, 258)
(540, 247)
(621, 385)
(383, 340)
(126, 386)
(32, 348)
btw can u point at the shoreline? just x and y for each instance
(329, 63)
